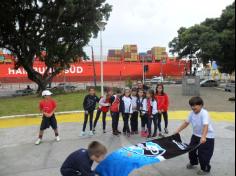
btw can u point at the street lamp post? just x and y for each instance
(101, 26)
(94, 70)
(143, 71)
(161, 67)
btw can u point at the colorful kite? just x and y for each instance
(123, 161)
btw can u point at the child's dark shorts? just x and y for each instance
(47, 122)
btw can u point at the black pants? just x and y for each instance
(90, 116)
(203, 154)
(165, 115)
(154, 120)
(126, 117)
(134, 122)
(104, 115)
(115, 120)
(47, 122)
(144, 120)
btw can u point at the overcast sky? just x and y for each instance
(149, 23)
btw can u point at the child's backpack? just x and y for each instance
(115, 105)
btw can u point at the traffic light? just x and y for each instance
(146, 68)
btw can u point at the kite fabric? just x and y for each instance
(123, 161)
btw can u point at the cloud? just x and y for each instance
(149, 23)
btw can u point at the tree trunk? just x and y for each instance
(191, 66)
(41, 80)
(36, 77)
(42, 86)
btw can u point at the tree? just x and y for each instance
(227, 39)
(213, 39)
(60, 28)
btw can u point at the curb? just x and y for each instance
(35, 115)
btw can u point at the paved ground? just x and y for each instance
(19, 156)
(215, 99)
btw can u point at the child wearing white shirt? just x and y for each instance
(151, 113)
(126, 110)
(203, 134)
(142, 108)
(134, 116)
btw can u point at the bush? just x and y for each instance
(58, 91)
(128, 82)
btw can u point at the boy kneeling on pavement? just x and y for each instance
(81, 161)
(203, 134)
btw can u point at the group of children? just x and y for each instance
(150, 106)
(203, 134)
(131, 104)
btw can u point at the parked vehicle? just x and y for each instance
(157, 79)
(65, 87)
(230, 87)
(24, 92)
(178, 81)
(209, 83)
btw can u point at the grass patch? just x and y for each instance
(29, 104)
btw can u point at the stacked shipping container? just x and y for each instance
(146, 57)
(114, 55)
(130, 53)
(159, 53)
(6, 58)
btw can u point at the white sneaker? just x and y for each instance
(38, 142)
(201, 172)
(161, 135)
(58, 139)
(166, 131)
(91, 133)
(83, 134)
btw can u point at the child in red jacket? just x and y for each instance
(103, 108)
(48, 107)
(163, 105)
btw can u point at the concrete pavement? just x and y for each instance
(20, 157)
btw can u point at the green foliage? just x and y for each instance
(58, 91)
(213, 39)
(61, 28)
(128, 82)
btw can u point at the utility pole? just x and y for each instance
(101, 26)
(143, 71)
(94, 71)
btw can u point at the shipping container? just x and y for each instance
(162, 49)
(134, 56)
(113, 59)
(114, 53)
(130, 48)
(131, 59)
